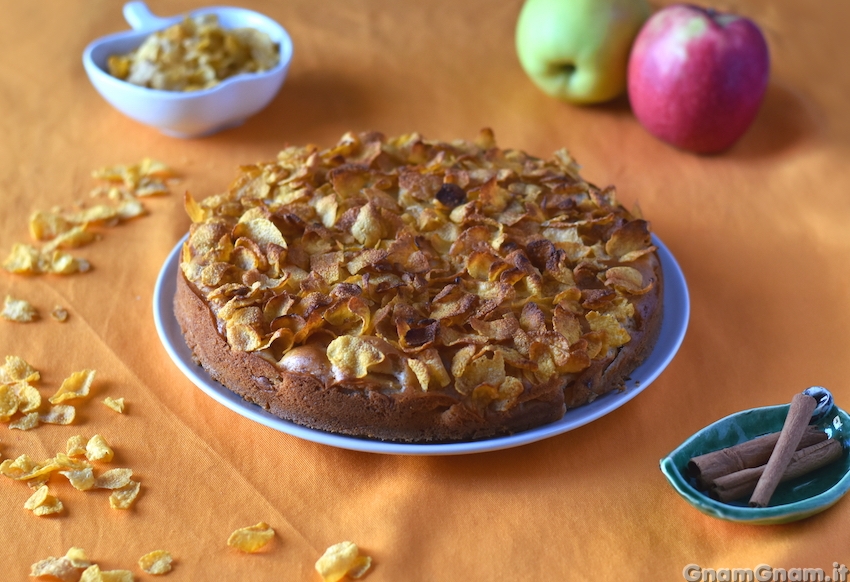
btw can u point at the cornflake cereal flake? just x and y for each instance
(81, 479)
(17, 370)
(94, 574)
(76, 446)
(26, 422)
(124, 497)
(116, 404)
(341, 560)
(29, 399)
(113, 479)
(42, 503)
(18, 310)
(9, 402)
(59, 414)
(251, 539)
(97, 449)
(77, 385)
(66, 568)
(157, 562)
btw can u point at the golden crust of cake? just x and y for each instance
(417, 291)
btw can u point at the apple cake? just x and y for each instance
(416, 291)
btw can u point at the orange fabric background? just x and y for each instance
(761, 233)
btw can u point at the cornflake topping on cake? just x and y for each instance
(420, 265)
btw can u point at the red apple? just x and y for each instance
(696, 77)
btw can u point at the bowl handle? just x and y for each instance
(139, 17)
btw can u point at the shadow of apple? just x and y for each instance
(618, 106)
(785, 122)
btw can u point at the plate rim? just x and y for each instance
(675, 306)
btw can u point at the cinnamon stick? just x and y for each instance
(799, 414)
(742, 483)
(753, 453)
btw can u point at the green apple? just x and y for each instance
(578, 50)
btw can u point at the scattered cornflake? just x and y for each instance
(19, 468)
(94, 574)
(55, 506)
(25, 469)
(26, 422)
(72, 227)
(252, 538)
(59, 414)
(77, 385)
(42, 503)
(67, 568)
(29, 399)
(340, 560)
(9, 402)
(157, 562)
(60, 314)
(97, 449)
(78, 558)
(130, 209)
(124, 497)
(80, 479)
(47, 225)
(63, 461)
(37, 482)
(113, 479)
(116, 404)
(16, 369)
(18, 310)
(102, 214)
(76, 446)
(74, 237)
(25, 259)
(148, 172)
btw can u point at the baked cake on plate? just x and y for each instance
(417, 291)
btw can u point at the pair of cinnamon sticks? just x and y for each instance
(756, 467)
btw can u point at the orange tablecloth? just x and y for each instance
(760, 233)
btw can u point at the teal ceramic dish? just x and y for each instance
(793, 500)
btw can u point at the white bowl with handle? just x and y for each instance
(187, 114)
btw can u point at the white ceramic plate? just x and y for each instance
(676, 314)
